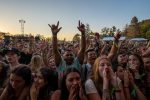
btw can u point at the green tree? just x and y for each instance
(105, 30)
(112, 31)
(88, 30)
(76, 37)
(125, 30)
(134, 28)
(147, 34)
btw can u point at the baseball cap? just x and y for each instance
(16, 51)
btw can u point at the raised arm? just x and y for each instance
(114, 47)
(80, 56)
(104, 49)
(55, 30)
(31, 45)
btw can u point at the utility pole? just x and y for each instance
(22, 25)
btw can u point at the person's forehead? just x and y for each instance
(105, 60)
(68, 52)
(122, 54)
(132, 56)
(73, 74)
(16, 77)
(10, 53)
(51, 59)
(92, 51)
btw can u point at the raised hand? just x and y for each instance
(81, 93)
(54, 28)
(73, 93)
(117, 36)
(106, 78)
(115, 81)
(25, 92)
(80, 89)
(131, 79)
(81, 27)
(34, 91)
(126, 79)
(106, 73)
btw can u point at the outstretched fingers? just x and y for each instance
(59, 29)
(79, 23)
(57, 23)
(49, 25)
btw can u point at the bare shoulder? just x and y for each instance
(56, 95)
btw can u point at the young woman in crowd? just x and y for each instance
(36, 62)
(19, 84)
(51, 63)
(131, 91)
(146, 60)
(122, 59)
(104, 84)
(136, 67)
(45, 83)
(71, 87)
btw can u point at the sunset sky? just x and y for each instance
(97, 13)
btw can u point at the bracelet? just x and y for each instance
(125, 87)
(105, 90)
(117, 90)
(115, 44)
(135, 87)
(133, 92)
(54, 35)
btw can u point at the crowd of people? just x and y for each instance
(89, 69)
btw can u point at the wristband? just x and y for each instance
(105, 90)
(133, 92)
(115, 90)
(114, 43)
(125, 87)
(54, 35)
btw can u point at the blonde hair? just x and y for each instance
(97, 79)
(36, 62)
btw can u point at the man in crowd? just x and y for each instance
(12, 57)
(67, 60)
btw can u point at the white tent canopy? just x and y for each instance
(139, 39)
(112, 38)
